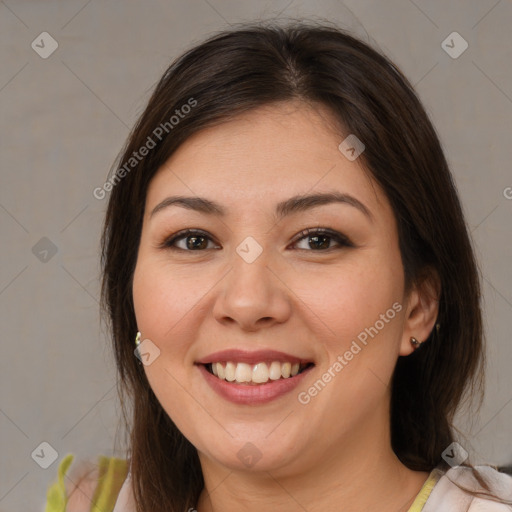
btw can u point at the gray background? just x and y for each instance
(64, 120)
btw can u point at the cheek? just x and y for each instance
(362, 319)
(363, 308)
(164, 305)
(352, 298)
(164, 298)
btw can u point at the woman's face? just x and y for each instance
(251, 284)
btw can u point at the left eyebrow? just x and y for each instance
(290, 206)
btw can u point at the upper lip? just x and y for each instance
(251, 357)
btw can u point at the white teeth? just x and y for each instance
(258, 373)
(230, 371)
(221, 373)
(275, 370)
(243, 372)
(286, 369)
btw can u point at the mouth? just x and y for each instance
(257, 374)
(254, 377)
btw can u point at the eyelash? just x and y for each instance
(342, 240)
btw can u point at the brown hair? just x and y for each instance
(262, 63)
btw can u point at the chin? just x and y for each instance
(254, 453)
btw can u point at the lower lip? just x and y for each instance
(252, 394)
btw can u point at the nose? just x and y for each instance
(252, 295)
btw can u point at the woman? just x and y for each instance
(285, 244)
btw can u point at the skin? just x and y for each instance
(311, 302)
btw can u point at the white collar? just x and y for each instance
(125, 501)
(448, 497)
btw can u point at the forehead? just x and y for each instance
(264, 156)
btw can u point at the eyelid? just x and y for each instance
(166, 243)
(340, 238)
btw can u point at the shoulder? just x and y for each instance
(454, 487)
(84, 482)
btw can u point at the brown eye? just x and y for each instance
(321, 238)
(194, 240)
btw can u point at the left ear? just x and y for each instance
(422, 310)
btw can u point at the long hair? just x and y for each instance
(259, 64)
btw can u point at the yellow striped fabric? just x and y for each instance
(112, 473)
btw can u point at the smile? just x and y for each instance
(249, 377)
(255, 374)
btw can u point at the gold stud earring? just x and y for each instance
(415, 343)
(137, 339)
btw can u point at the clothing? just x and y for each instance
(112, 474)
(448, 497)
(438, 494)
